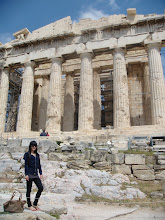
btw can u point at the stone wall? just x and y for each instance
(85, 155)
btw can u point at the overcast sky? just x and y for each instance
(33, 14)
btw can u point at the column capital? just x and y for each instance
(29, 63)
(119, 49)
(152, 44)
(86, 53)
(58, 59)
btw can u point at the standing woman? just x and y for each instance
(32, 165)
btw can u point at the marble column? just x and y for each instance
(147, 95)
(157, 84)
(68, 120)
(121, 113)
(97, 99)
(85, 118)
(43, 104)
(54, 99)
(26, 101)
(4, 87)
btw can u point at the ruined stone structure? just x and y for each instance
(84, 76)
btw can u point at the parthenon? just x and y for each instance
(87, 76)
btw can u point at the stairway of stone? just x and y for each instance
(117, 136)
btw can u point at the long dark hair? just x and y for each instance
(33, 143)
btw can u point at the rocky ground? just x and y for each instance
(79, 193)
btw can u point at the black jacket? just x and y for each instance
(32, 164)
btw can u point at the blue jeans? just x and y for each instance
(39, 185)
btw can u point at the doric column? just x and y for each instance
(43, 104)
(121, 114)
(68, 120)
(157, 84)
(26, 101)
(97, 99)
(54, 100)
(147, 95)
(4, 87)
(85, 119)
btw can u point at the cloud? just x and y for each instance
(6, 37)
(92, 13)
(114, 5)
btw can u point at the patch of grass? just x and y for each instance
(2, 213)
(147, 202)
(92, 198)
(56, 215)
(82, 186)
(58, 142)
(131, 151)
(88, 148)
(149, 186)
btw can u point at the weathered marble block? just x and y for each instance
(134, 159)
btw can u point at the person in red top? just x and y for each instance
(47, 133)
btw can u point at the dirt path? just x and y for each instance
(106, 212)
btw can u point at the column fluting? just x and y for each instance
(68, 120)
(157, 84)
(4, 87)
(85, 118)
(26, 101)
(121, 113)
(54, 99)
(97, 99)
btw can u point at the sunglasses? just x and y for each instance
(34, 146)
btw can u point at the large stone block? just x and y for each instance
(134, 159)
(26, 142)
(150, 160)
(124, 169)
(98, 156)
(161, 157)
(115, 158)
(103, 166)
(160, 176)
(14, 143)
(161, 162)
(46, 146)
(144, 174)
(142, 167)
(159, 167)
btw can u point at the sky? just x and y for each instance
(33, 14)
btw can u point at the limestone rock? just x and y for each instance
(103, 166)
(115, 158)
(142, 167)
(160, 175)
(124, 169)
(157, 195)
(27, 215)
(134, 159)
(78, 164)
(144, 174)
(46, 146)
(98, 156)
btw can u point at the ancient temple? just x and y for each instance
(84, 76)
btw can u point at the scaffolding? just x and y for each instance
(15, 83)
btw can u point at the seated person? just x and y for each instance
(43, 133)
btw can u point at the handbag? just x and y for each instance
(14, 206)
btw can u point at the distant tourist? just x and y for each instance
(43, 133)
(32, 165)
(47, 133)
